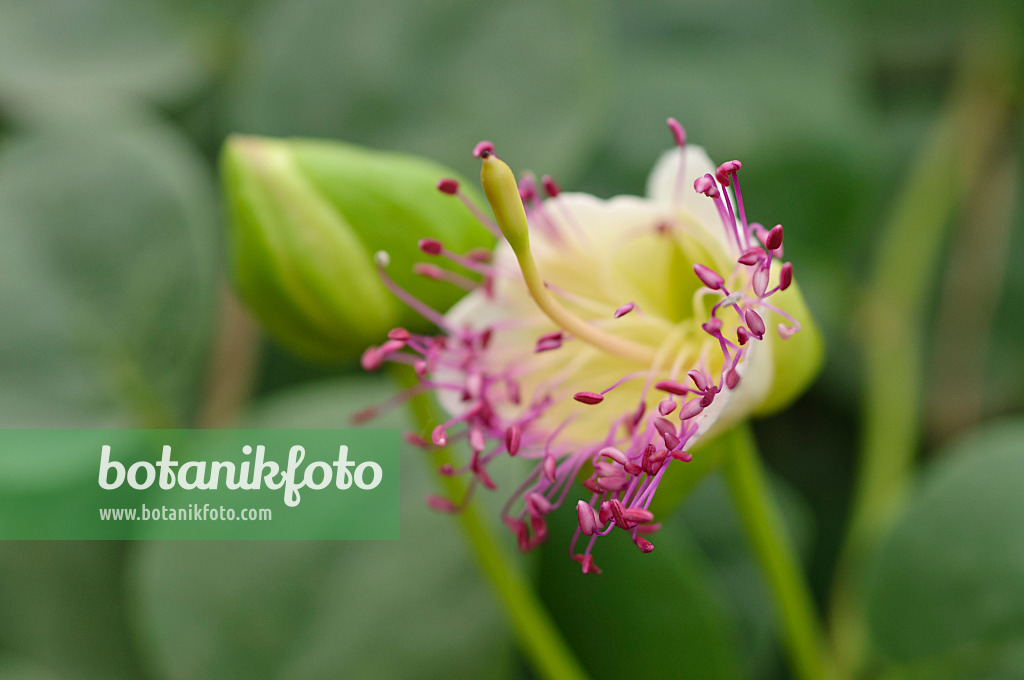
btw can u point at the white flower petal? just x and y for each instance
(692, 207)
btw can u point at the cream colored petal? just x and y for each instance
(691, 206)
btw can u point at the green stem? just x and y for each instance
(893, 321)
(767, 535)
(538, 636)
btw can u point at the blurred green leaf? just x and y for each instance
(16, 668)
(319, 610)
(430, 78)
(946, 589)
(108, 275)
(82, 48)
(615, 620)
(307, 218)
(63, 609)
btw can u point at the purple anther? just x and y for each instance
(698, 379)
(755, 323)
(615, 454)
(588, 565)
(742, 335)
(713, 326)
(439, 436)
(431, 246)
(644, 545)
(725, 169)
(398, 334)
(653, 459)
(708, 276)
(430, 271)
(732, 379)
(590, 398)
(637, 515)
(476, 439)
(415, 440)
(549, 467)
(371, 359)
(774, 239)
(527, 189)
(666, 406)
(752, 256)
(587, 520)
(549, 341)
(786, 276)
(551, 187)
(613, 483)
(706, 185)
(690, 409)
(441, 504)
(537, 504)
(759, 281)
(671, 387)
(448, 186)
(512, 438)
(624, 310)
(667, 431)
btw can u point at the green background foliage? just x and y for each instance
(114, 312)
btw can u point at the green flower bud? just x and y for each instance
(306, 218)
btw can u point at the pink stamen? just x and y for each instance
(430, 246)
(382, 260)
(786, 276)
(448, 186)
(709, 277)
(551, 187)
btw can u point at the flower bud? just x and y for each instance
(305, 220)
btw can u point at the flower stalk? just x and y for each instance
(953, 160)
(539, 637)
(767, 535)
